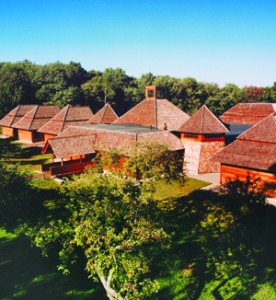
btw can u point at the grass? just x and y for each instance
(175, 190)
(26, 157)
(26, 275)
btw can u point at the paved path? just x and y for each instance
(213, 178)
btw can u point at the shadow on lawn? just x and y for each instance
(11, 150)
(26, 275)
(221, 249)
(8, 149)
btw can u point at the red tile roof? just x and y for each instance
(255, 148)
(106, 115)
(68, 116)
(156, 113)
(122, 138)
(15, 115)
(70, 146)
(36, 117)
(248, 113)
(203, 122)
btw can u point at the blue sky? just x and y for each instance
(222, 41)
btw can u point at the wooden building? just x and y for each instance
(252, 156)
(104, 137)
(69, 115)
(203, 135)
(11, 118)
(28, 125)
(155, 112)
(106, 115)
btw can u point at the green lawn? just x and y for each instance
(25, 274)
(26, 157)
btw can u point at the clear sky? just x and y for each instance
(222, 41)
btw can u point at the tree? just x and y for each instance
(56, 81)
(106, 84)
(111, 219)
(16, 193)
(187, 95)
(227, 97)
(111, 222)
(15, 87)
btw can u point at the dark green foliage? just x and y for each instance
(15, 86)
(221, 249)
(62, 84)
(16, 194)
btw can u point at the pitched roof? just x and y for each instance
(68, 116)
(124, 137)
(15, 115)
(255, 148)
(36, 117)
(264, 131)
(203, 122)
(248, 113)
(156, 113)
(70, 146)
(105, 115)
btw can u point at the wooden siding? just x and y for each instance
(48, 136)
(268, 180)
(202, 137)
(72, 168)
(30, 136)
(25, 135)
(7, 131)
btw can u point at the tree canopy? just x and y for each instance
(61, 84)
(111, 219)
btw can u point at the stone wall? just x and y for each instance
(197, 155)
(208, 149)
(191, 156)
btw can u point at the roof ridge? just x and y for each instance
(217, 119)
(156, 113)
(14, 116)
(33, 117)
(203, 117)
(65, 117)
(105, 108)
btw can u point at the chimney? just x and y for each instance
(151, 92)
(165, 126)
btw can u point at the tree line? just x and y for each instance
(61, 84)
